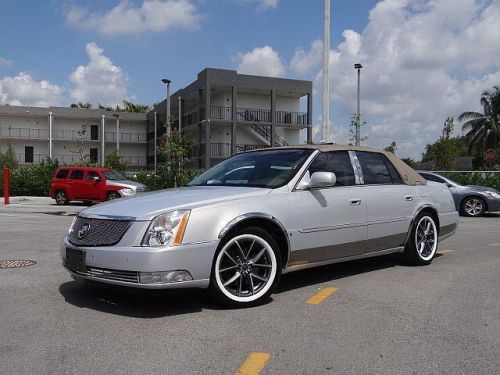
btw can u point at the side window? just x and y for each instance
(375, 169)
(431, 177)
(92, 174)
(337, 162)
(77, 174)
(63, 173)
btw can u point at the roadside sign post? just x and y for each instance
(6, 185)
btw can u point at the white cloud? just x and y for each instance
(5, 62)
(303, 61)
(152, 15)
(422, 62)
(22, 89)
(100, 81)
(262, 61)
(266, 4)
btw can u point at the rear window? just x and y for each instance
(63, 173)
(377, 169)
(77, 174)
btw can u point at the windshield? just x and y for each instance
(267, 169)
(113, 175)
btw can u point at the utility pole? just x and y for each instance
(358, 112)
(326, 85)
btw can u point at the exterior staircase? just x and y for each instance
(262, 132)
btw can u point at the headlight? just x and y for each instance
(167, 229)
(493, 194)
(126, 192)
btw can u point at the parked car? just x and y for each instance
(469, 200)
(91, 184)
(237, 227)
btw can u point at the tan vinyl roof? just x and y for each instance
(407, 173)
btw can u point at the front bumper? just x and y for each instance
(117, 265)
(493, 204)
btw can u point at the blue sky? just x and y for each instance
(417, 54)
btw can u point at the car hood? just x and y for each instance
(147, 206)
(480, 188)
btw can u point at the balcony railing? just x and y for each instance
(126, 137)
(37, 158)
(223, 150)
(24, 133)
(247, 115)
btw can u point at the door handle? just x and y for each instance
(355, 201)
(408, 197)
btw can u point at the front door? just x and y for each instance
(93, 185)
(330, 222)
(390, 203)
(77, 184)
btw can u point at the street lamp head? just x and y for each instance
(358, 66)
(164, 80)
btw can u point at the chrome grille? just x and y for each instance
(101, 273)
(101, 232)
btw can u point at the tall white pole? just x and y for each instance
(326, 85)
(103, 156)
(50, 134)
(118, 133)
(156, 127)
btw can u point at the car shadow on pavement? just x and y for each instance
(135, 303)
(322, 274)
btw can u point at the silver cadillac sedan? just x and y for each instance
(240, 225)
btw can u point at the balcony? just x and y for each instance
(126, 137)
(223, 150)
(247, 115)
(24, 133)
(37, 158)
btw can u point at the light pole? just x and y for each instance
(358, 112)
(326, 83)
(180, 114)
(117, 116)
(156, 143)
(167, 122)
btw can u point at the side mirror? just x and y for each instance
(96, 178)
(323, 179)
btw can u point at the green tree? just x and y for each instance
(391, 148)
(134, 107)
(174, 151)
(80, 150)
(8, 160)
(113, 161)
(483, 129)
(445, 149)
(412, 163)
(352, 131)
(81, 105)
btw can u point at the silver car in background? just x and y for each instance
(470, 200)
(237, 227)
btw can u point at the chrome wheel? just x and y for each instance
(61, 197)
(113, 195)
(474, 207)
(426, 238)
(245, 268)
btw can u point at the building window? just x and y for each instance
(94, 133)
(28, 154)
(94, 155)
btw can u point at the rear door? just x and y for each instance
(330, 221)
(390, 203)
(77, 184)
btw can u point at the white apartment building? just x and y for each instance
(244, 112)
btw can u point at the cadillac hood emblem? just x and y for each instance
(84, 230)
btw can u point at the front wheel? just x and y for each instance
(62, 197)
(473, 207)
(423, 242)
(246, 268)
(113, 195)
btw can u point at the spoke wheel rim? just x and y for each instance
(426, 238)
(473, 207)
(112, 196)
(245, 268)
(60, 197)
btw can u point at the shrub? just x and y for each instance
(486, 178)
(33, 180)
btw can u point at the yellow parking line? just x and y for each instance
(322, 295)
(444, 251)
(254, 364)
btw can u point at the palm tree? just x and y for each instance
(483, 129)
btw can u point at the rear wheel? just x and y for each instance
(61, 197)
(113, 195)
(423, 242)
(246, 268)
(472, 207)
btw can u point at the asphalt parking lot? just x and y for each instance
(374, 316)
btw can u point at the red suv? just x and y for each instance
(91, 184)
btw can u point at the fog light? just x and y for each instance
(176, 276)
(164, 277)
